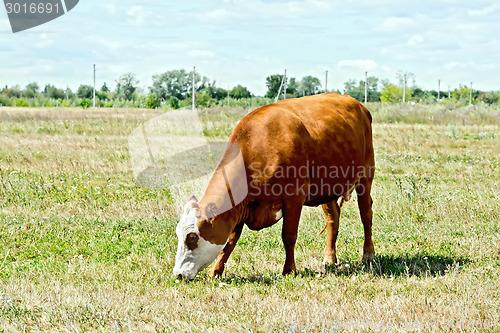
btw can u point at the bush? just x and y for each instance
(5, 100)
(21, 102)
(173, 103)
(203, 100)
(152, 102)
(84, 103)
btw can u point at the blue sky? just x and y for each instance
(242, 42)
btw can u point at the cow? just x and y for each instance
(307, 151)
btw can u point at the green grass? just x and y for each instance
(82, 248)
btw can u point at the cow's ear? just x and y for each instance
(193, 198)
(211, 210)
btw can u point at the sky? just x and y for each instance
(242, 42)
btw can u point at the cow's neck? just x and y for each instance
(226, 191)
(218, 229)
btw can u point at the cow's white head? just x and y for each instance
(194, 253)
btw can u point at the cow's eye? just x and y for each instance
(192, 240)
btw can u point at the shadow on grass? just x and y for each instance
(383, 266)
(401, 265)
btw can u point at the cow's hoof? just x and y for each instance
(330, 261)
(215, 273)
(289, 270)
(368, 257)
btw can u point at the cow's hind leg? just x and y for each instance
(218, 267)
(365, 210)
(332, 216)
(291, 217)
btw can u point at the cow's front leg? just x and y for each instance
(218, 267)
(291, 217)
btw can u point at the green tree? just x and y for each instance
(462, 93)
(152, 102)
(309, 85)
(85, 91)
(240, 92)
(105, 88)
(29, 94)
(20, 102)
(52, 92)
(292, 87)
(33, 86)
(13, 92)
(174, 83)
(358, 90)
(214, 92)
(393, 94)
(218, 93)
(203, 100)
(84, 103)
(273, 83)
(31, 90)
(489, 97)
(173, 102)
(126, 85)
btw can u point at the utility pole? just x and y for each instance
(439, 89)
(366, 87)
(326, 81)
(404, 88)
(284, 92)
(194, 71)
(470, 95)
(94, 86)
(449, 92)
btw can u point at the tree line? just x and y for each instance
(173, 90)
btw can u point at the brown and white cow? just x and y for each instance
(305, 151)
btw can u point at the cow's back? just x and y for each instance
(322, 141)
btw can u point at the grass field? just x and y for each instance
(82, 248)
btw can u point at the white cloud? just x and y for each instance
(43, 41)
(415, 40)
(238, 10)
(201, 54)
(398, 24)
(460, 65)
(358, 64)
(110, 8)
(491, 9)
(451, 65)
(215, 15)
(136, 15)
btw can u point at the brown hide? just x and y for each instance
(310, 150)
(262, 214)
